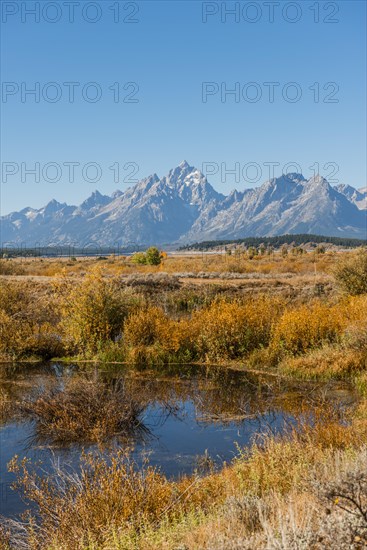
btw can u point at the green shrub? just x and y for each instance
(139, 258)
(153, 256)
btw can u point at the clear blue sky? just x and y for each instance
(169, 53)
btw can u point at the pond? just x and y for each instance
(187, 411)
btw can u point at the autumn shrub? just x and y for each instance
(92, 311)
(21, 339)
(219, 331)
(13, 336)
(28, 322)
(84, 410)
(146, 327)
(305, 327)
(351, 273)
(150, 333)
(230, 330)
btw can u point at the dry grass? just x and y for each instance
(180, 263)
(327, 362)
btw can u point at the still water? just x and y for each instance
(188, 412)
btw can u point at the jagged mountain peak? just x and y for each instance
(116, 194)
(296, 177)
(318, 180)
(177, 175)
(148, 181)
(191, 185)
(318, 185)
(53, 206)
(94, 200)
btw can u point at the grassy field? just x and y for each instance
(302, 316)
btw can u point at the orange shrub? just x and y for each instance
(151, 327)
(27, 322)
(230, 330)
(304, 328)
(310, 326)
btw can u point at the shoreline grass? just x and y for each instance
(140, 508)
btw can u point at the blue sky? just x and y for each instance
(168, 53)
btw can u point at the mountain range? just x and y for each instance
(183, 207)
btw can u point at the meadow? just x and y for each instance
(294, 315)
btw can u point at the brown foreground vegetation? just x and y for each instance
(307, 489)
(84, 410)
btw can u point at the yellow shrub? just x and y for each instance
(229, 330)
(352, 310)
(306, 327)
(151, 327)
(14, 335)
(351, 273)
(92, 311)
(27, 322)
(309, 326)
(224, 330)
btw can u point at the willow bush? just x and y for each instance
(307, 327)
(92, 312)
(351, 273)
(28, 322)
(229, 330)
(223, 330)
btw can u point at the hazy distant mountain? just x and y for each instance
(183, 207)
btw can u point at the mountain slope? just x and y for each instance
(357, 196)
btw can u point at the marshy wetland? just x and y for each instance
(182, 423)
(195, 404)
